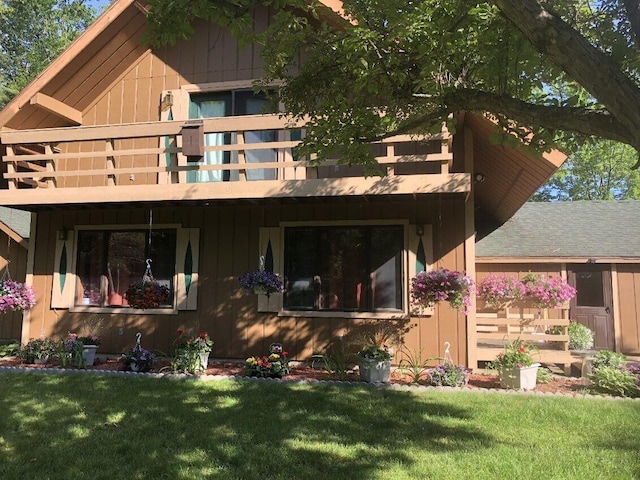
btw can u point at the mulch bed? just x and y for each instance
(303, 371)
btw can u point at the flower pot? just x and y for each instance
(374, 371)
(204, 361)
(519, 378)
(41, 360)
(89, 354)
(135, 367)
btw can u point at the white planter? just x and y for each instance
(89, 354)
(135, 367)
(374, 371)
(204, 361)
(519, 378)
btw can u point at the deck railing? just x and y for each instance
(153, 153)
(495, 329)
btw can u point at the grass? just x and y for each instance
(107, 427)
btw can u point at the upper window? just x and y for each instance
(233, 103)
(109, 261)
(344, 268)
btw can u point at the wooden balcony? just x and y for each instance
(247, 157)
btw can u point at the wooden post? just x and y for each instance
(51, 182)
(11, 168)
(111, 163)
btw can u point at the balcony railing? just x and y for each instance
(247, 150)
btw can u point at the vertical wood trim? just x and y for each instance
(412, 245)
(180, 110)
(187, 258)
(31, 255)
(615, 305)
(470, 252)
(273, 236)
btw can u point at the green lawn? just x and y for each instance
(105, 427)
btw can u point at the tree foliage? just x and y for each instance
(32, 34)
(402, 66)
(600, 170)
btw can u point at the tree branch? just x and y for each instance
(578, 120)
(633, 13)
(583, 62)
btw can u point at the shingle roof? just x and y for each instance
(567, 229)
(16, 220)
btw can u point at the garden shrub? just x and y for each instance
(611, 376)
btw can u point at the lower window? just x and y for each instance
(108, 262)
(345, 268)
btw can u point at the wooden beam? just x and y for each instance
(329, 187)
(57, 107)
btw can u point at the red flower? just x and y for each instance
(203, 335)
(522, 349)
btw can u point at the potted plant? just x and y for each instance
(428, 288)
(90, 343)
(261, 282)
(191, 354)
(36, 351)
(273, 365)
(498, 290)
(547, 292)
(516, 366)
(374, 361)
(147, 294)
(138, 359)
(448, 374)
(16, 296)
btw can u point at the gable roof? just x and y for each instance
(592, 230)
(84, 73)
(16, 224)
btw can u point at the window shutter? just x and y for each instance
(271, 250)
(419, 258)
(63, 288)
(187, 257)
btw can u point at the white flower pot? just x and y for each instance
(204, 361)
(519, 378)
(374, 371)
(89, 354)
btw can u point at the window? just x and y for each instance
(107, 262)
(344, 268)
(225, 104)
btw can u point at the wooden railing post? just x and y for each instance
(111, 163)
(11, 169)
(51, 167)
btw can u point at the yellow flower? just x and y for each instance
(252, 361)
(274, 356)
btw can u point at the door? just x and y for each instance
(592, 305)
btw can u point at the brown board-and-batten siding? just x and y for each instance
(628, 277)
(229, 239)
(14, 257)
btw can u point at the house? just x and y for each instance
(14, 238)
(595, 245)
(125, 153)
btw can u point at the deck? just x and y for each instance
(248, 157)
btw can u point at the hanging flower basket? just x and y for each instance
(147, 294)
(428, 288)
(261, 282)
(16, 296)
